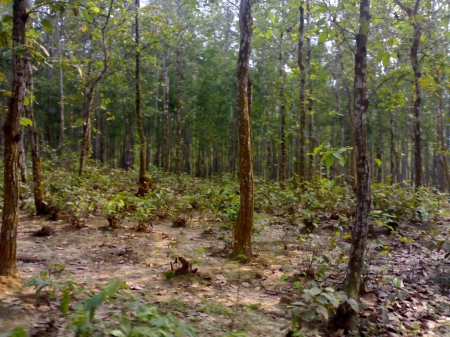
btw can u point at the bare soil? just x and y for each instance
(223, 295)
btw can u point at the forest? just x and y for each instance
(224, 168)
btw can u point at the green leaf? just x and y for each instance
(323, 36)
(272, 17)
(64, 306)
(386, 59)
(283, 277)
(309, 315)
(168, 275)
(26, 121)
(353, 304)
(378, 161)
(317, 150)
(329, 161)
(86, 15)
(397, 282)
(321, 299)
(93, 303)
(315, 291)
(117, 333)
(47, 25)
(16, 332)
(323, 311)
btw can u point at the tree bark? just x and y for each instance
(417, 97)
(144, 181)
(352, 162)
(301, 64)
(12, 134)
(179, 111)
(42, 208)
(282, 104)
(61, 88)
(244, 223)
(165, 158)
(23, 161)
(346, 317)
(85, 144)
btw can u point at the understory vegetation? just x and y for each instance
(313, 222)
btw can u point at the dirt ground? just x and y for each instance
(224, 296)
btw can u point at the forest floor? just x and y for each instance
(406, 289)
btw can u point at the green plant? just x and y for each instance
(127, 315)
(319, 302)
(115, 211)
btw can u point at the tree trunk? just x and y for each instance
(61, 88)
(244, 223)
(301, 64)
(312, 131)
(378, 148)
(417, 97)
(85, 144)
(12, 134)
(179, 109)
(282, 104)
(144, 181)
(346, 317)
(42, 208)
(165, 112)
(352, 161)
(22, 160)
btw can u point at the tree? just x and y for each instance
(12, 134)
(346, 316)
(42, 208)
(301, 65)
(244, 223)
(91, 87)
(144, 181)
(417, 96)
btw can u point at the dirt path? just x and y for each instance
(224, 296)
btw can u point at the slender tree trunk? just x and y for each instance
(352, 161)
(417, 97)
(395, 171)
(179, 109)
(442, 148)
(144, 181)
(244, 223)
(346, 317)
(61, 88)
(23, 160)
(268, 137)
(12, 134)
(42, 208)
(301, 64)
(378, 148)
(313, 141)
(165, 112)
(85, 144)
(282, 104)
